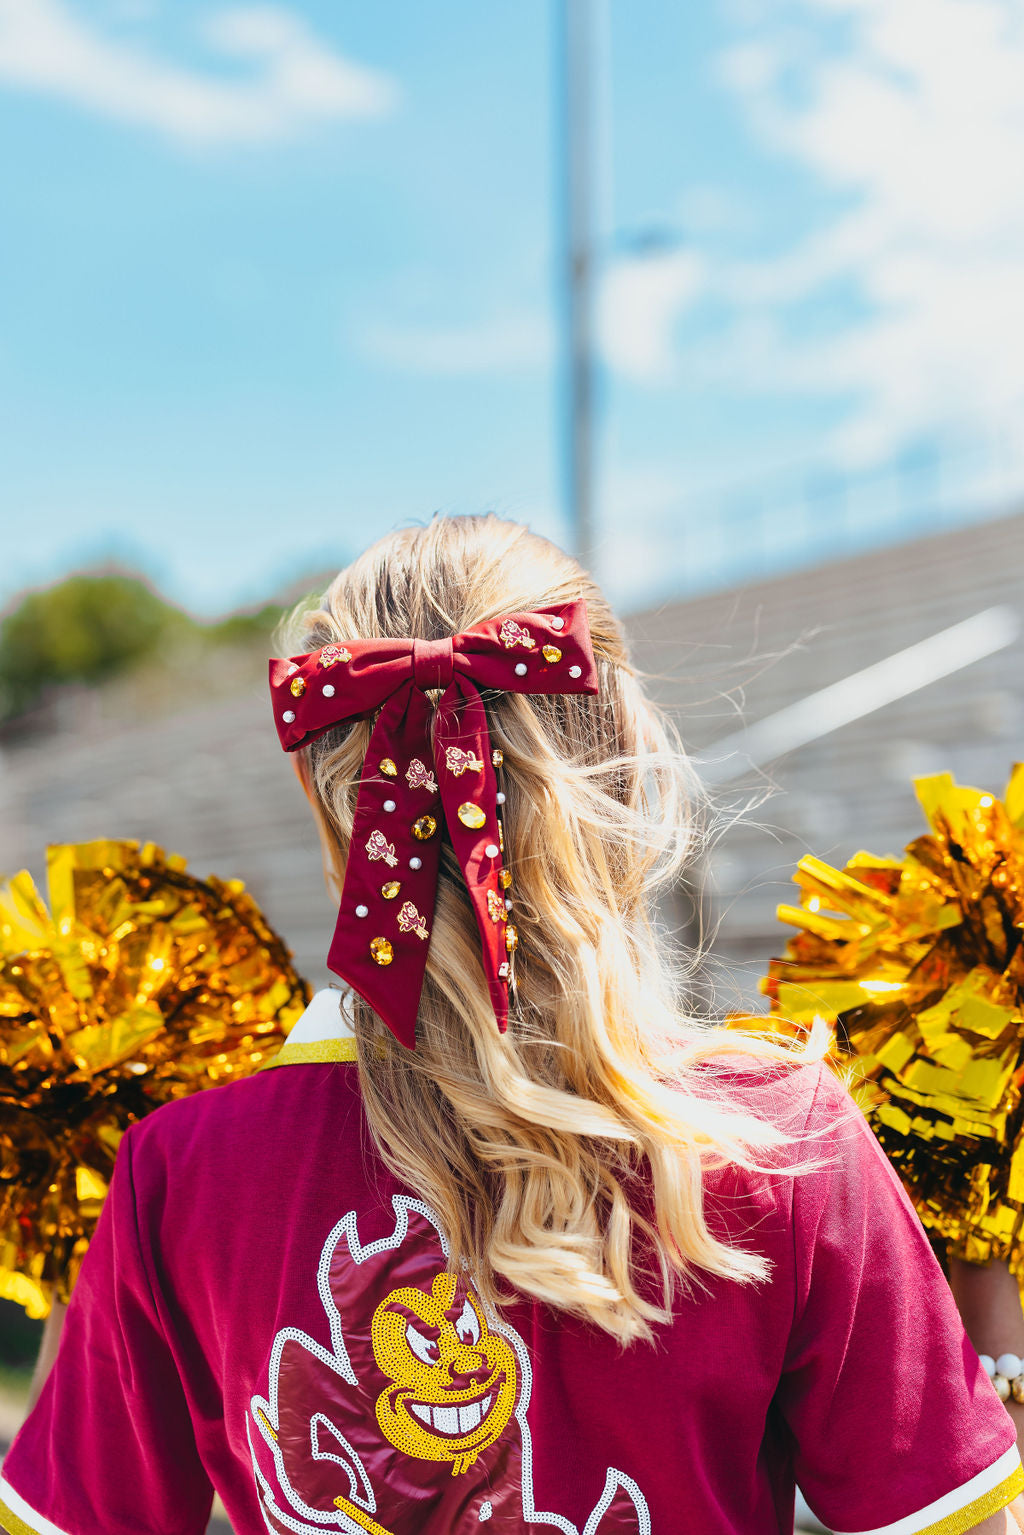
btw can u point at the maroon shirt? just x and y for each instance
(265, 1311)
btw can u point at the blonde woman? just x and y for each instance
(506, 1240)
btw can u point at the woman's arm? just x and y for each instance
(47, 1351)
(1008, 1521)
(988, 1299)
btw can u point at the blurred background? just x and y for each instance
(728, 297)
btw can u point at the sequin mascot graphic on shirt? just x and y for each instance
(412, 1417)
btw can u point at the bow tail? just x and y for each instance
(386, 914)
(465, 773)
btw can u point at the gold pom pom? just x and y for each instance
(139, 985)
(918, 962)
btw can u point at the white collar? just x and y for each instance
(322, 1020)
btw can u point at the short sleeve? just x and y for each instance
(894, 1425)
(109, 1448)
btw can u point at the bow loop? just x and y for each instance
(415, 787)
(433, 663)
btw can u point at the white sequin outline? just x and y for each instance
(341, 1364)
(269, 1502)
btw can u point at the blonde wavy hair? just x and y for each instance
(540, 1149)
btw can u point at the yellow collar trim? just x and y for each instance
(303, 1052)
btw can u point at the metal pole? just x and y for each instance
(576, 83)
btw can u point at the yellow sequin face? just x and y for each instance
(454, 1380)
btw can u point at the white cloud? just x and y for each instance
(704, 208)
(910, 116)
(293, 81)
(642, 300)
(640, 511)
(749, 66)
(918, 123)
(133, 10)
(502, 343)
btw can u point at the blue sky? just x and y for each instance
(278, 277)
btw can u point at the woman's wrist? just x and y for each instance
(1006, 1374)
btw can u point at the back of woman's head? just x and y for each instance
(540, 1149)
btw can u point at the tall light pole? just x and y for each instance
(576, 100)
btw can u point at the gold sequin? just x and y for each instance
(497, 756)
(495, 906)
(471, 815)
(501, 839)
(297, 686)
(511, 938)
(506, 878)
(381, 950)
(388, 768)
(551, 653)
(424, 828)
(391, 889)
(447, 1313)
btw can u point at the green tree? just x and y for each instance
(245, 628)
(84, 629)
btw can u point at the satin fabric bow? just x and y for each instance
(413, 783)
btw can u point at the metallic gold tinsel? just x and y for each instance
(919, 964)
(139, 985)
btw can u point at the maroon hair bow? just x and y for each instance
(409, 786)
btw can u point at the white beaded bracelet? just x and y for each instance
(1007, 1375)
